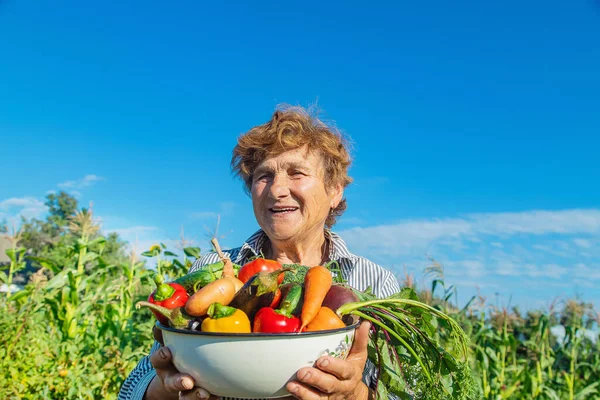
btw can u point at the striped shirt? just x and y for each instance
(357, 271)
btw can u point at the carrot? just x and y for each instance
(219, 291)
(317, 283)
(325, 319)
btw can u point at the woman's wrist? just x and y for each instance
(364, 392)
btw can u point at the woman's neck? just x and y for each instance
(310, 252)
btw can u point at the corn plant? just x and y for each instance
(16, 255)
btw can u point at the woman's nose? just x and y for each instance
(279, 186)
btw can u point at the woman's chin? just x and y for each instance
(281, 231)
(281, 234)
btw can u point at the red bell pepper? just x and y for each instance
(269, 320)
(167, 295)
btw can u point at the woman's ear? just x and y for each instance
(336, 195)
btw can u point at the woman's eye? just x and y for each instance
(263, 177)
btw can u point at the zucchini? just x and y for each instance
(203, 276)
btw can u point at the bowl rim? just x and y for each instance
(350, 327)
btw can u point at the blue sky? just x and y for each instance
(475, 125)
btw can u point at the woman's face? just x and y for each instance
(289, 196)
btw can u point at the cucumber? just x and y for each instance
(203, 276)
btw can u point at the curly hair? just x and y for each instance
(291, 128)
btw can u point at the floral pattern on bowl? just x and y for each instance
(341, 351)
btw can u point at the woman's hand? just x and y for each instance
(168, 382)
(334, 378)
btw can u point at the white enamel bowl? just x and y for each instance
(251, 366)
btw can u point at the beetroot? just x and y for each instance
(339, 295)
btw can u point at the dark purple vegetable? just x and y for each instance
(257, 292)
(339, 295)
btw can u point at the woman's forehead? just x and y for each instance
(298, 157)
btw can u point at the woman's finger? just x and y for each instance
(173, 380)
(162, 358)
(319, 380)
(197, 393)
(158, 336)
(176, 382)
(341, 369)
(304, 392)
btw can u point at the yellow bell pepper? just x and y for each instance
(224, 319)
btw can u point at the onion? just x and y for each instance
(338, 295)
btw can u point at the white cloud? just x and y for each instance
(508, 268)
(21, 202)
(548, 270)
(539, 251)
(584, 272)
(583, 243)
(141, 237)
(465, 268)
(401, 238)
(537, 222)
(28, 207)
(225, 208)
(86, 181)
(476, 284)
(135, 230)
(551, 249)
(406, 236)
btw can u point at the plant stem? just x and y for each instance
(11, 269)
(400, 339)
(351, 307)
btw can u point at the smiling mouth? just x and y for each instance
(282, 210)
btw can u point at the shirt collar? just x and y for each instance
(337, 247)
(253, 245)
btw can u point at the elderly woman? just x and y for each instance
(295, 169)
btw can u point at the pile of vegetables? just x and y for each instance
(224, 298)
(265, 297)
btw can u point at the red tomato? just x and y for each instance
(259, 265)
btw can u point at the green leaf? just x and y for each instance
(169, 253)
(19, 295)
(98, 240)
(192, 251)
(405, 293)
(163, 246)
(434, 283)
(59, 280)
(148, 254)
(3, 277)
(46, 263)
(551, 393)
(587, 391)
(91, 256)
(11, 254)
